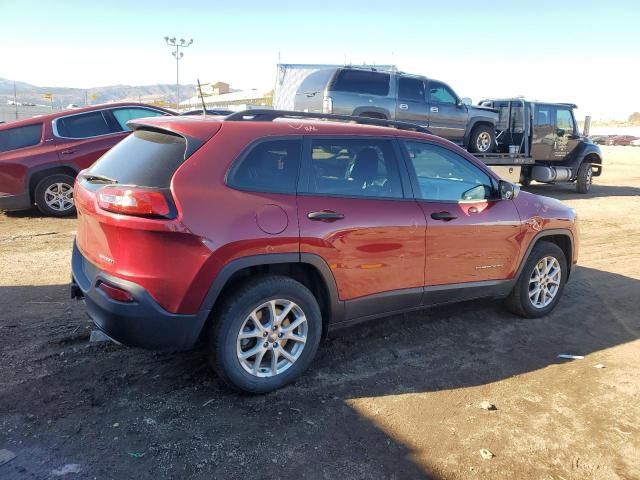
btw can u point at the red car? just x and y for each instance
(40, 157)
(259, 233)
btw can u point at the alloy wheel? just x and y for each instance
(544, 282)
(59, 197)
(272, 338)
(483, 142)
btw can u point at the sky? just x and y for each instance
(585, 52)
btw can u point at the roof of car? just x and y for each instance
(74, 111)
(202, 126)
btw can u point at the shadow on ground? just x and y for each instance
(126, 413)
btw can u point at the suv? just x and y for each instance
(259, 233)
(40, 157)
(399, 96)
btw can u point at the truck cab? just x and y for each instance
(549, 134)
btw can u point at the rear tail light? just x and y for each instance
(327, 105)
(133, 201)
(115, 293)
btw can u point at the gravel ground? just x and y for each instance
(395, 398)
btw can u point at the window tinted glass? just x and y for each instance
(411, 89)
(366, 168)
(20, 137)
(362, 81)
(440, 93)
(144, 158)
(542, 115)
(123, 115)
(444, 175)
(564, 120)
(84, 125)
(270, 166)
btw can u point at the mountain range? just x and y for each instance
(28, 93)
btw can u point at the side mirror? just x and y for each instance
(465, 101)
(508, 190)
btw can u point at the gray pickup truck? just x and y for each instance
(367, 92)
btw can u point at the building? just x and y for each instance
(221, 95)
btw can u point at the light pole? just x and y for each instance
(177, 45)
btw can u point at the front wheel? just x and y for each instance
(482, 140)
(585, 177)
(265, 334)
(54, 195)
(541, 282)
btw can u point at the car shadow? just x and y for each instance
(180, 420)
(567, 191)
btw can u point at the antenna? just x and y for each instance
(204, 107)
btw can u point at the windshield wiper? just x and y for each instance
(98, 178)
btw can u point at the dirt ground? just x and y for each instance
(397, 398)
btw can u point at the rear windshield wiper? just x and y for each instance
(97, 178)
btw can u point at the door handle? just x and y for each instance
(444, 216)
(325, 216)
(68, 152)
(404, 106)
(434, 109)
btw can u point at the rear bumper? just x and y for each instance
(141, 323)
(15, 202)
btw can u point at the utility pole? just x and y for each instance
(177, 45)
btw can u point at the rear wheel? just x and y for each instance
(54, 195)
(265, 334)
(482, 140)
(585, 177)
(541, 282)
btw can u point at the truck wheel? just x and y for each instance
(482, 139)
(585, 177)
(541, 282)
(54, 195)
(265, 334)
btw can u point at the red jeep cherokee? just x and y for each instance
(260, 233)
(39, 157)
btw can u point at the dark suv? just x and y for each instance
(399, 96)
(39, 157)
(260, 233)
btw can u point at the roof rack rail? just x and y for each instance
(260, 115)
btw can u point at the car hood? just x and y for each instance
(477, 110)
(529, 204)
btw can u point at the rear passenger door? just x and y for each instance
(447, 117)
(411, 103)
(82, 138)
(354, 214)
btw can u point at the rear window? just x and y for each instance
(362, 81)
(20, 137)
(145, 158)
(84, 125)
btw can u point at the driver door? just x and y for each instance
(566, 138)
(471, 236)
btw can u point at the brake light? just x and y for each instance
(115, 293)
(133, 201)
(327, 105)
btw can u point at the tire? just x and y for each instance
(585, 177)
(519, 300)
(482, 139)
(54, 195)
(224, 347)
